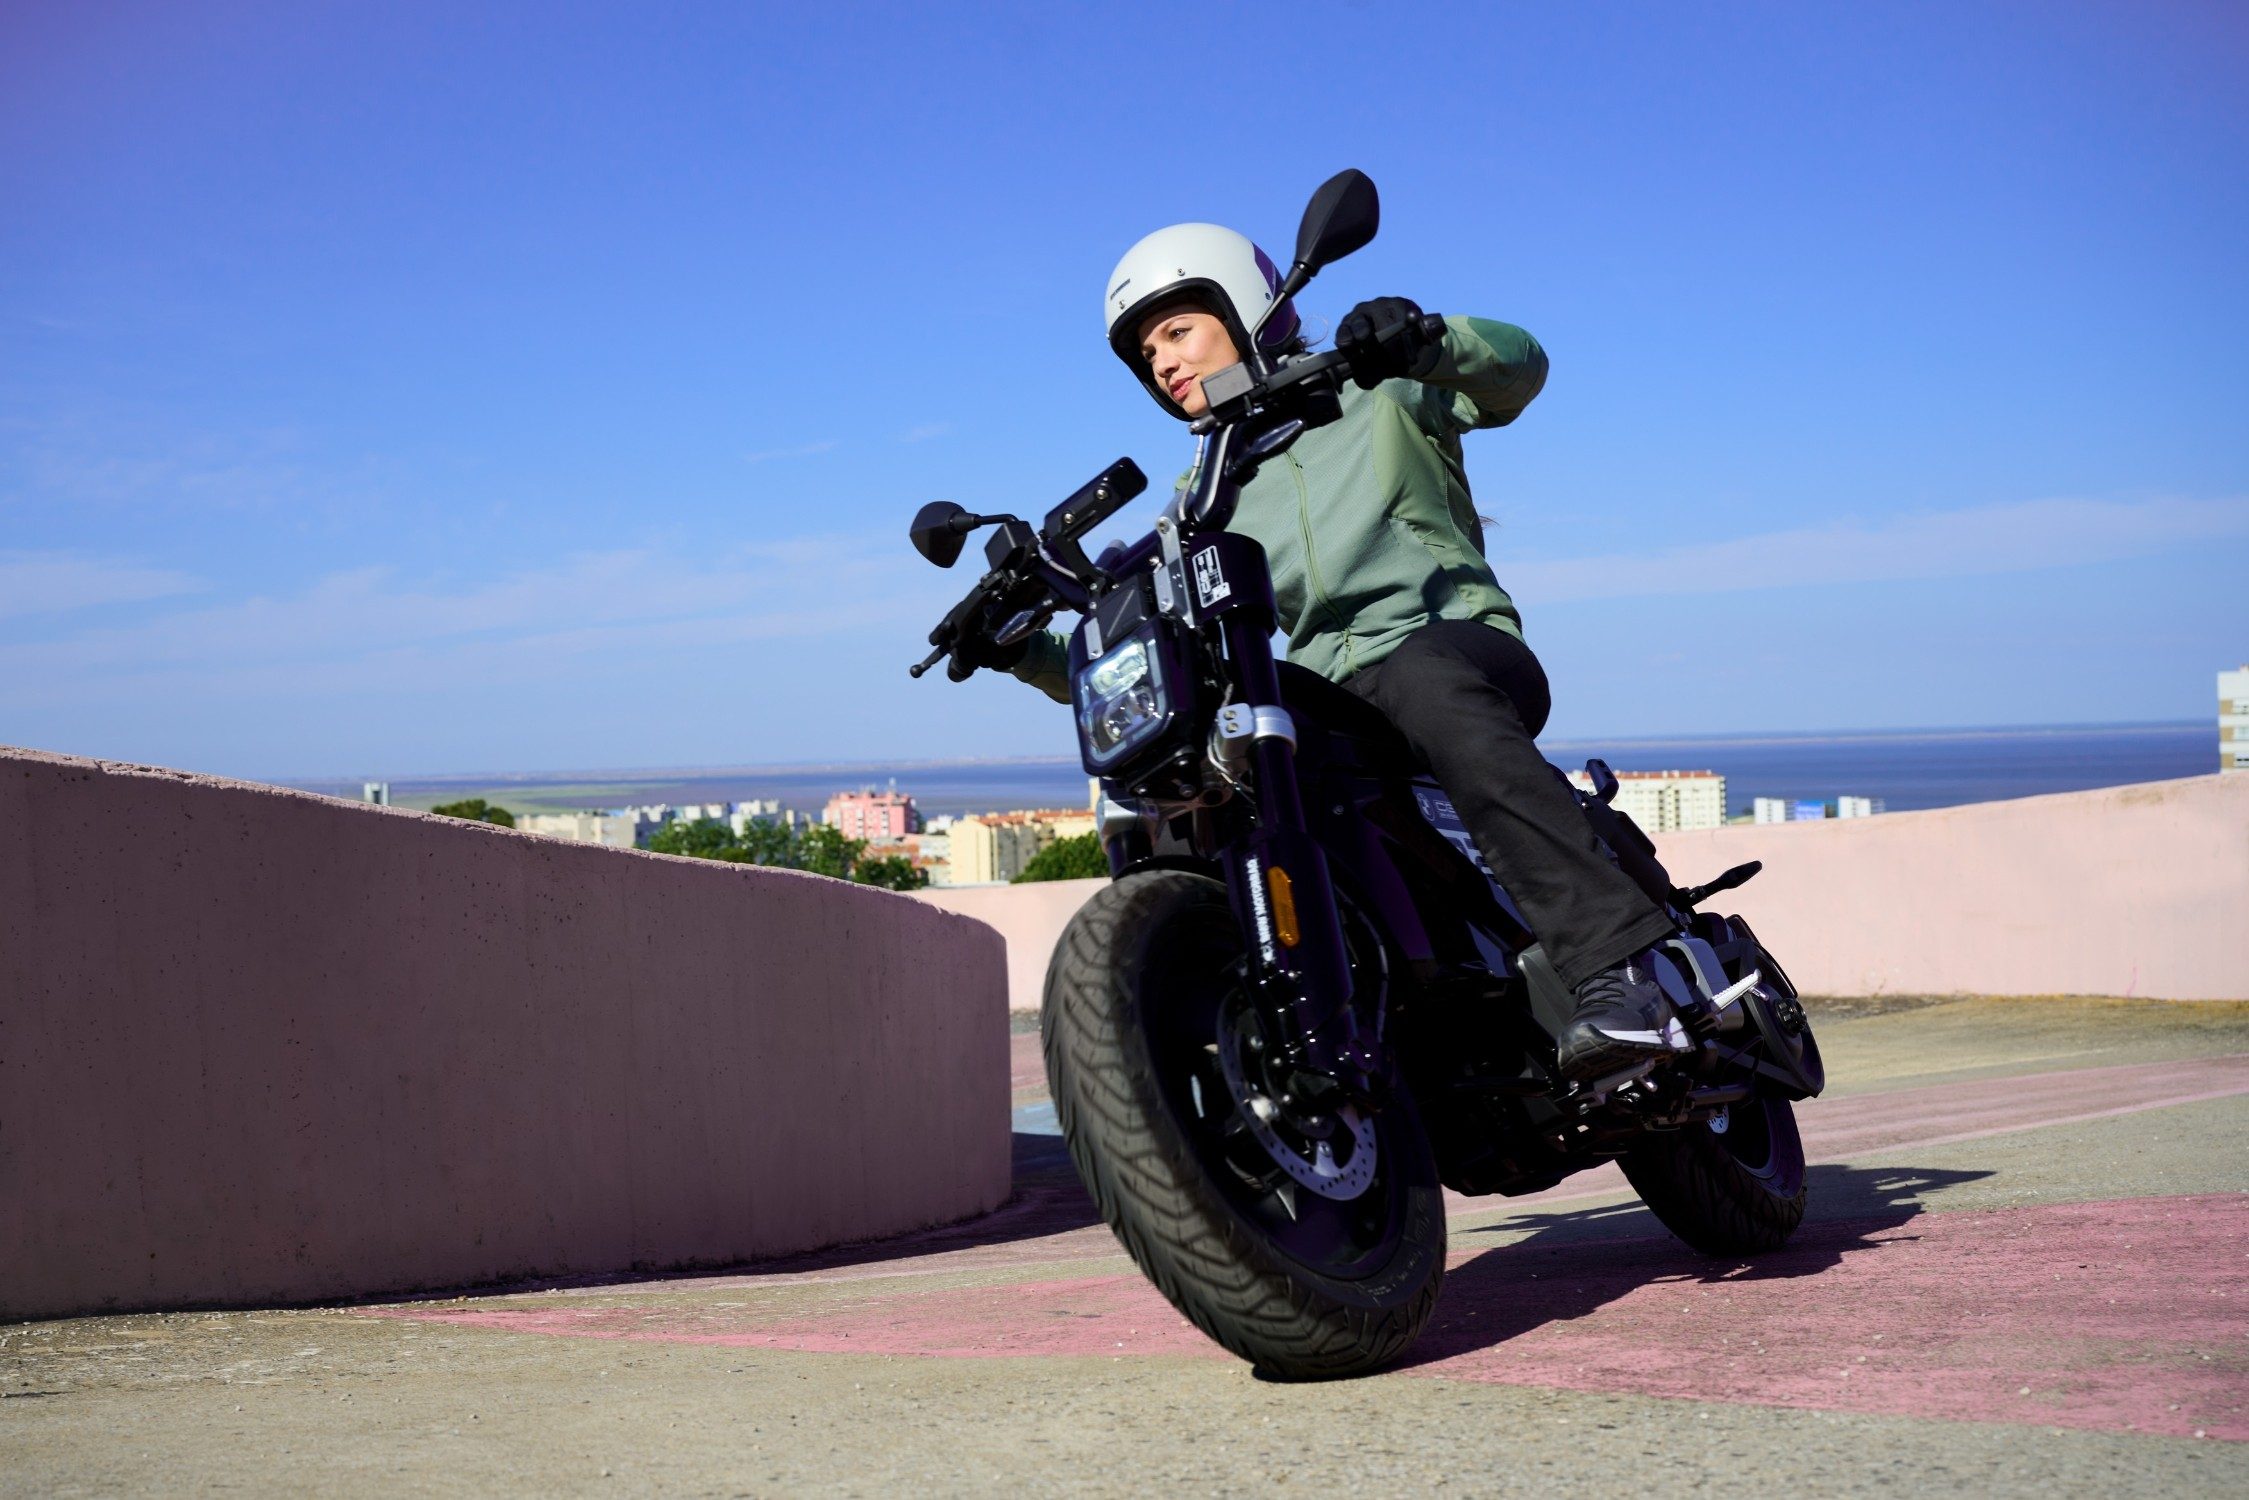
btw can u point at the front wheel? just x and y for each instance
(1731, 1186)
(1310, 1257)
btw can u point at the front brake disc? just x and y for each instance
(1317, 1166)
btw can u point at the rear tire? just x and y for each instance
(1731, 1192)
(1132, 996)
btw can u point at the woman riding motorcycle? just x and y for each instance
(1379, 572)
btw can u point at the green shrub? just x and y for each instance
(1077, 858)
(476, 810)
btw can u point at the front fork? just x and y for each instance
(1278, 877)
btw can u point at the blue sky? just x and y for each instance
(393, 388)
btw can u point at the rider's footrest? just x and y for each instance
(1451, 981)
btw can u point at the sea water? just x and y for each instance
(1907, 769)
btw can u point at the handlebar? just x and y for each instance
(1028, 583)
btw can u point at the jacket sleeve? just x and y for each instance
(1046, 666)
(1486, 373)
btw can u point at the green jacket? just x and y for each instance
(1367, 523)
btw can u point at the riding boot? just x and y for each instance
(1622, 1018)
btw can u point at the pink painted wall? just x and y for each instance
(262, 1046)
(1031, 917)
(2139, 890)
(2135, 890)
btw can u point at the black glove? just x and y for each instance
(1388, 337)
(981, 651)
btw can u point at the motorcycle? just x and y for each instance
(1304, 1006)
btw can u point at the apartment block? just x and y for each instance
(2233, 720)
(625, 830)
(872, 815)
(1666, 801)
(993, 847)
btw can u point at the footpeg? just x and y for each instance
(1597, 1093)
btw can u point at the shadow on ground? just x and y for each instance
(1047, 1200)
(1572, 1263)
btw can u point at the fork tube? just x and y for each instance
(1316, 968)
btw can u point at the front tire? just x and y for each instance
(1301, 1285)
(1734, 1190)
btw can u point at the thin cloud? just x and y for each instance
(925, 432)
(2012, 537)
(38, 583)
(591, 617)
(95, 461)
(809, 450)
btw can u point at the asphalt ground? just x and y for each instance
(2025, 1270)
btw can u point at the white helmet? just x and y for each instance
(1213, 265)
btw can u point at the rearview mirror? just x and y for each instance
(939, 529)
(1342, 217)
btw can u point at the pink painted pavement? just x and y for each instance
(2125, 1315)
(2128, 1314)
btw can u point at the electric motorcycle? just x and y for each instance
(1304, 1005)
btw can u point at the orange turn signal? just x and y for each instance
(1284, 906)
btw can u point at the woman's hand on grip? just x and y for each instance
(1386, 337)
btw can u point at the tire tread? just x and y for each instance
(1151, 1191)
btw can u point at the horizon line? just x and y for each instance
(887, 767)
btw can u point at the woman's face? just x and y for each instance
(1182, 344)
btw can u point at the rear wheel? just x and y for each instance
(1732, 1186)
(1311, 1252)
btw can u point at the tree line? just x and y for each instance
(818, 848)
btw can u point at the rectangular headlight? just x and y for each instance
(1120, 701)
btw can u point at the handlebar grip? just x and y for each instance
(1432, 326)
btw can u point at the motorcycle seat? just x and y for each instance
(1369, 736)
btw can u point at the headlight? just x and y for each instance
(1120, 701)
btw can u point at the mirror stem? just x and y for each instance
(1299, 276)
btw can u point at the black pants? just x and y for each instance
(1470, 699)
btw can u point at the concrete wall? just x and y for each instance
(259, 1046)
(2139, 890)
(2135, 890)
(1031, 918)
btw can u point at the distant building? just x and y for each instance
(2233, 720)
(619, 830)
(1666, 801)
(990, 847)
(633, 827)
(872, 815)
(737, 816)
(376, 792)
(740, 815)
(1790, 810)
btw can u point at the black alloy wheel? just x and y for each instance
(1152, 1048)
